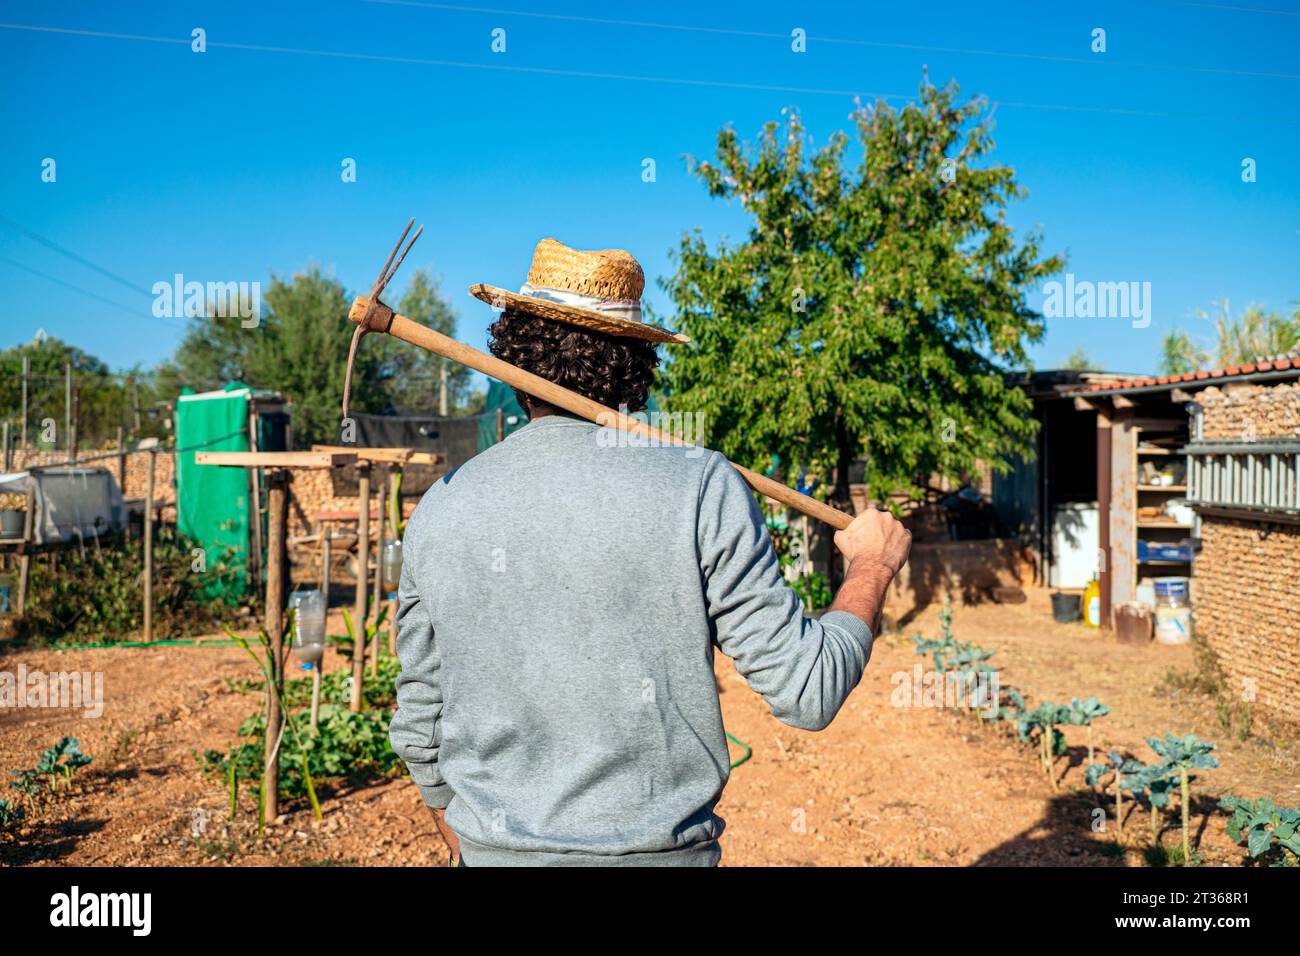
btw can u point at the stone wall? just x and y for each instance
(1248, 609)
(136, 471)
(1250, 412)
(1247, 593)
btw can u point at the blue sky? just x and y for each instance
(226, 165)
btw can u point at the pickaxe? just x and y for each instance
(372, 315)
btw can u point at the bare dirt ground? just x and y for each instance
(884, 785)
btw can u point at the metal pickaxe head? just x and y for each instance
(376, 316)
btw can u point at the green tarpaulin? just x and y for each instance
(212, 502)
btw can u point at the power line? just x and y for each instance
(69, 285)
(676, 81)
(1229, 8)
(845, 41)
(51, 244)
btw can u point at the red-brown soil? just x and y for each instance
(884, 785)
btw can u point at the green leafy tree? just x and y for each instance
(103, 399)
(414, 377)
(299, 347)
(871, 311)
(1180, 355)
(1255, 334)
(1079, 360)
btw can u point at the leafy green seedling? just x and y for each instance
(1083, 713)
(1051, 742)
(9, 815)
(1264, 825)
(1124, 772)
(270, 668)
(1182, 755)
(1159, 782)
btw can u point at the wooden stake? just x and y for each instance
(25, 561)
(325, 558)
(363, 577)
(148, 549)
(379, 578)
(315, 692)
(275, 588)
(254, 565)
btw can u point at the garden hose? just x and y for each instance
(177, 642)
(749, 751)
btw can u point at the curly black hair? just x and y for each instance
(609, 369)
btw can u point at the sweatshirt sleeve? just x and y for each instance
(803, 667)
(415, 731)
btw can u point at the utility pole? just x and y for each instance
(67, 408)
(27, 374)
(442, 388)
(76, 421)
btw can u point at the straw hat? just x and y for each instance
(598, 289)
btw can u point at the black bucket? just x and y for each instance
(1066, 607)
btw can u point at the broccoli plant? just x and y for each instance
(965, 666)
(1051, 741)
(9, 815)
(1181, 756)
(1126, 775)
(1158, 781)
(57, 763)
(1083, 713)
(1011, 706)
(1265, 826)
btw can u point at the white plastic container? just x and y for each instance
(1173, 623)
(308, 625)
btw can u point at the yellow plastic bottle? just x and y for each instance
(1092, 604)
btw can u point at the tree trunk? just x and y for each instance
(840, 497)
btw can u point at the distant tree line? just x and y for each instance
(298, 348)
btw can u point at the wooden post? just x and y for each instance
(1103, 515)
(325, 557)
(255, 509)
(395, 514)
(121, 459)
(315, 692)
(275, 581)
(442, 388)
(6, 445)
(379, 578)
(363, 577)
(148, 549)
(501, 427)
(25, 561)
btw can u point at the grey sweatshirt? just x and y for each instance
(560, 600)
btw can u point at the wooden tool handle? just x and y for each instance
(426, 338)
